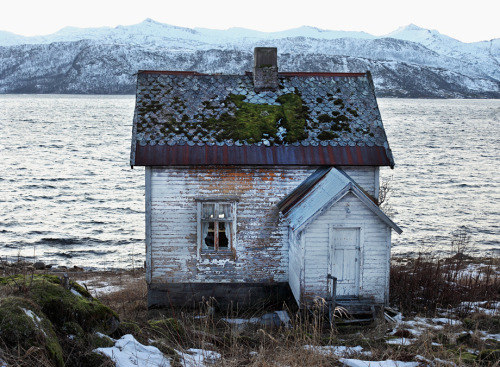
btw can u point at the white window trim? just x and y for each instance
(231, 251)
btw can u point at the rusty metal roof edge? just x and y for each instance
(185, 155)
(249, 73)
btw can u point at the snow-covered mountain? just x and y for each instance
(409, 62)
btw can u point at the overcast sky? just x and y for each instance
(467, 21)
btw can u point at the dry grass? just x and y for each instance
(424, 286)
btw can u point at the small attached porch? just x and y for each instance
(339, 244)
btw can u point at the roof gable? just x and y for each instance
(323, 189)
(185, 118)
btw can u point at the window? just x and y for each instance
(216, 222)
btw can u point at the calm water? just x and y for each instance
(68, 195)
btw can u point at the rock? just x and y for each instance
(75, 304)
(492, 355)
(39, 265)
(23, 324)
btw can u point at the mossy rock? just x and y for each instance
(491, 344)
(93, 359)
(490, 355)
(23, 324)
(72, 328)
(168, 327)
(466, 357)
(128, 327)
(61, 305)
(98, 340)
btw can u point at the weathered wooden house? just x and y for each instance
(262, 183)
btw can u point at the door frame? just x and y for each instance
(331, 251)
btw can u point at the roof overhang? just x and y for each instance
(194, 155)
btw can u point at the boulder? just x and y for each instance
(23, 326)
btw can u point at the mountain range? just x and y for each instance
(409, 62)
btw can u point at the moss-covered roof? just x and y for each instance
(190, 109)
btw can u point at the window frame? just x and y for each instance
(231, 248)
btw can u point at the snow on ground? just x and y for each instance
(401, 341)
(198, 357)
(446, 321)
(128, 352)
(486, 307)
(253, 320)
(388, 363)
(419, 324)
(338, 350)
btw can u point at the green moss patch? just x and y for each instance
(23, 324)
(251, 122)
(61, 305)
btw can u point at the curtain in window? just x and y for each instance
(204, 233)
(226, 209)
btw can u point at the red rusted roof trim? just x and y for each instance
(185, 155)
(320, 74)
(168, 72)
(300, 74)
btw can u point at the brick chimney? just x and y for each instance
(265, 68)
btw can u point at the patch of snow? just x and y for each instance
(434, 362)
(338, 350)
(284, 317)
(253, 320)
(75, 292)
(104, 336)
(446, 321)
(485, 336)
(400, 341)
(198, 357)
(128, 352)
(388, 363)
(97, 287)
(32, 315)
(35, 319)
(484, 307)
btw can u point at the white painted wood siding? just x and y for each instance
(261, 235)
(365, 176)
(295, 265)
(349, 212)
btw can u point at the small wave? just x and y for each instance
(33, 186)
(60, 241)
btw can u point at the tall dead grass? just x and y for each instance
(424, 284)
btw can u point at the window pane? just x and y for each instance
(223, 235)
(224, 211)
(209, 238)
(208, 211)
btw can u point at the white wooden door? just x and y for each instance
(344, 251)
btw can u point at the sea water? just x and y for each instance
(69, 197)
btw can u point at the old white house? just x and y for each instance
(262, 183)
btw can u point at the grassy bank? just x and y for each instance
(450, 316)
